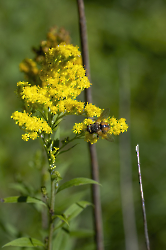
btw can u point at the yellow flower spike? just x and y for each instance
(35, 94)
(92, 110)
(80, 107)
(31, 124)
(117, 126)
(63, 78)
(60, 107)
(30, 135)
(56, 58)
(123, 125)
(68, 50)
(73, 106)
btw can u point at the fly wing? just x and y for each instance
(105, 114)
(108, 137)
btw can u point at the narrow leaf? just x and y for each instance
(61, 241)
(76, 182)
(19, 199)
(25, 242)
(73, 211)
(62, 218)
(58, 240)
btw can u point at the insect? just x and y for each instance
(100, 127)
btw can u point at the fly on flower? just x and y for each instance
(101, 126)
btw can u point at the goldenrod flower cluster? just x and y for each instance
(62, 80)
(31, 124)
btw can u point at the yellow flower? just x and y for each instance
(92, 110)
(92, 138)
(60, 107)
(73, 106)
(22, 84)
(117, 126)
(28, 66)
(35, 94)
(67, 51)
(88, 121)
(25, 136)
(61, 76)
(78, 128)
(31, 124)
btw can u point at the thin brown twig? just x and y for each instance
(143, 201)
(92, 148)
(52, 205)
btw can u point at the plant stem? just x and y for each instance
(51, 213)
(92, 149)
(143, 201)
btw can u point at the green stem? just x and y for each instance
(52, 205)
(64, 145)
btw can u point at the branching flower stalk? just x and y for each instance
(51, 97)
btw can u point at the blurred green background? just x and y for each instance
(127, 46)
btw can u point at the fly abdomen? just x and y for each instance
(104, 127)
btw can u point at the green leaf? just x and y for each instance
(19, 199)
(76, 182)
(25, 242)
(58, 239)
(61, 240)
(62, 217)
(73, 211)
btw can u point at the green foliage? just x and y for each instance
(25, 242)
(26, 199)
(73, 211)
(76, 182)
